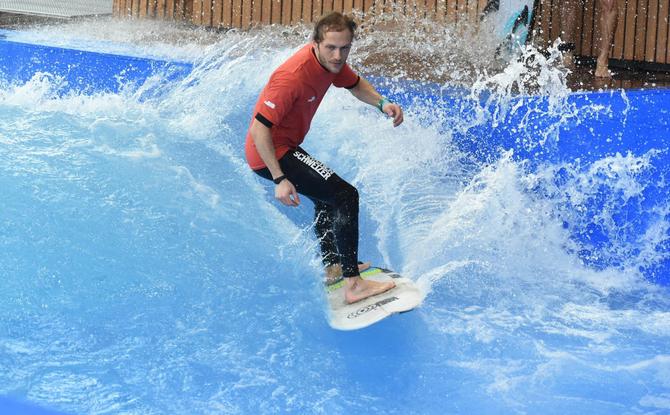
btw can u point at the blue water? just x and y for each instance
(147, 271)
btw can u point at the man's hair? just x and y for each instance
(333, 22)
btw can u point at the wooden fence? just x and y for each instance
(642, 33)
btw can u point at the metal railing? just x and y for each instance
(57, 8)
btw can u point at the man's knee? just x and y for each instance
(347, 196)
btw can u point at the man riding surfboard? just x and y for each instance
(281, 119)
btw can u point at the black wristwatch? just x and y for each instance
(279, 179)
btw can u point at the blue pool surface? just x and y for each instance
(148, 272)
(82, 71)
(13, 407)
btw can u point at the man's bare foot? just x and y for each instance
(334, 272)
(357, 289)
(601, 70)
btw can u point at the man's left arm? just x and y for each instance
(367, 93)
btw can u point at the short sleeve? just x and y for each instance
(278, 97)
(346, 78)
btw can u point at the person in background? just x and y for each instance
(608, 20)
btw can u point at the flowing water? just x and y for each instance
(146, 270)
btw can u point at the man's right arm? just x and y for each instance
(263, 140)
(285, 192)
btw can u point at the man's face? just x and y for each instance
(333, 50)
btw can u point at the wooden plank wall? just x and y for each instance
(642, 31)
(245, 13)
(180, 10)
(641, 34)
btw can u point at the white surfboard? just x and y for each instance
(405, 296)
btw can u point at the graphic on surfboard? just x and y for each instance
(404, 297)
(511, 21)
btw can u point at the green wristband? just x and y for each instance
(381, 103)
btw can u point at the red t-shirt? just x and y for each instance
(290, 100)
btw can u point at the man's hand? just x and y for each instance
(365, 92)
(394, 111)
(285, 192)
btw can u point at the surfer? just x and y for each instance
(280, 121)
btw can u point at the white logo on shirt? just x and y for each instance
(311, 99)
(270, 104)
